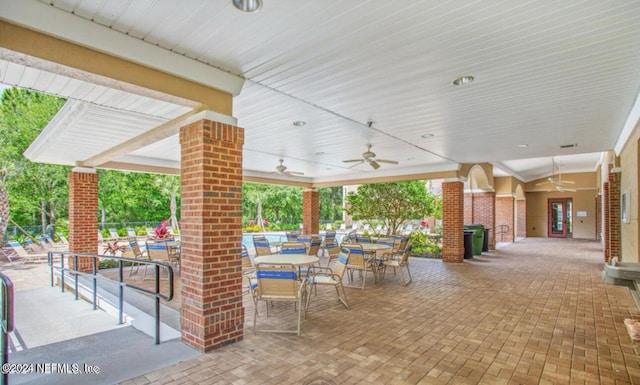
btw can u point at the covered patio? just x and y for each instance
(532, 312)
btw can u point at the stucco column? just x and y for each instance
(452, 221)
(83, 215)
(212, 312)
(311, 211)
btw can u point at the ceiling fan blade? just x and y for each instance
(374, 164)
(543, 183)
(353, 160)
(566, 181)
(387, 161)
(357, 164)
(293, 173)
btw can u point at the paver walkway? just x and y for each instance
(533, 312)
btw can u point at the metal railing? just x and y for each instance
(502, 230)
(6, 308)
(158, 268)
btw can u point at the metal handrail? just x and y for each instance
(156, 293)
(502, 230)
(7, 322)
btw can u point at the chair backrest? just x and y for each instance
(131, 232)
(113, 233)
(356, 255)
(342, 260)
(360, 239)
(387, 242)
(294, 248)
(42, 242)
(333, 249)
(63, 239)
(277, 281)
(262, 246)
(314, 246)
(246, 258)
(17, 247)
(329, 236)
(292, 236)
(406, 252)
(303, 238)
(157, 250)
(135, 248)
(343, 226)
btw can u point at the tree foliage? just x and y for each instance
(392, 203)
(37, 193)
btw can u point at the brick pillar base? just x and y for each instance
(311, 211)
(452, 222)
(212, 312)
(83, 216)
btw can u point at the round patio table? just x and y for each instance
(294, 259)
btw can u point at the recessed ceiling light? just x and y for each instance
(523, 145)
(425, 136)
(462, 80)
(299, 123)
(248, 5)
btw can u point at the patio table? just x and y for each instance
(294, 259)
(372, 249)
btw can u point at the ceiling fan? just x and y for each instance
(556, 180)
(370, 157)
(281, 169)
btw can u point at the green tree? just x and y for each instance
(393, 203)
(37, 193)
(331, 205)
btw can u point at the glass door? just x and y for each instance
(560, 218)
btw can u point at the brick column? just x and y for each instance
(521, 218)
(311, 211)
(605, 221)
(484, 213)
(468, 208)
(212, 314)
(505, 207)
(615, 219)
(452, 222)
(83, 215)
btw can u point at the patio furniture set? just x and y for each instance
(293, 272)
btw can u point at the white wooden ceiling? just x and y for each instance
(547, 74)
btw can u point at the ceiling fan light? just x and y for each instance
(462, 80)
(248, 5)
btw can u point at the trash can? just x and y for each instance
(478, 237)
(468, 244)
(485, 240)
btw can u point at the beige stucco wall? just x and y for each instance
(629, 162)
(584, 199)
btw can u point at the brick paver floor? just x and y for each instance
(533, 312)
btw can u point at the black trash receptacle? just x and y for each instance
(485, 240)
(468, 244)
(478, 235)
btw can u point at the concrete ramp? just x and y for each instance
(108, 357)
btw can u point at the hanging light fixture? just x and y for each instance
(248, 5)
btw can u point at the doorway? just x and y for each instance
(560, 218)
